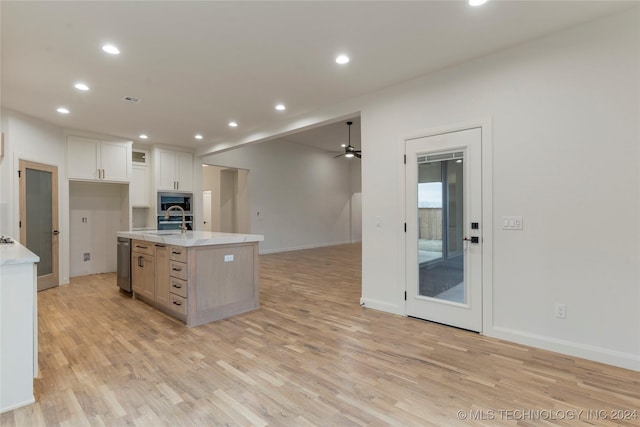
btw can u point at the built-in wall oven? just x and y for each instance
(183, 200)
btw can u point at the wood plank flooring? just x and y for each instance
(310, 356)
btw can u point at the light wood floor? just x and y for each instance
(309, 356)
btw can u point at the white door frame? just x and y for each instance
(487, 212)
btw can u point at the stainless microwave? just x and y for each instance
(166, 200)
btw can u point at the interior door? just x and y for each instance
(206, 210)
(444, 228)
(39, 218)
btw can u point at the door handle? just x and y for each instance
(473, 239)
(55, 232)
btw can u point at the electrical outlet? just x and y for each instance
(87, 256)
(561, 311)
(228, 258)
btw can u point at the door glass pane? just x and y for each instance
(39, 218)
(440, 228)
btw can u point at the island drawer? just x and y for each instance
(178, 269)
(178, 253)
(143, 247)
(178, 304)
(178, 287)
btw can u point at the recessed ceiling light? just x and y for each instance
(280, 107)
(81, 86)
(198, 136)
(343, 145)
(62, 110)
(233, 124)
(111, 49)
(143, 136)
(476, 2)
(342, 59)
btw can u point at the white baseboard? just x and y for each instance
(595, 353)
(300, 248)
(17, 405)
(381, 306)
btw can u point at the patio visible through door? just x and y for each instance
(444, 228)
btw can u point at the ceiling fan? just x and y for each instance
(349, 151)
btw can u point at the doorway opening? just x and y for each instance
(225, 195)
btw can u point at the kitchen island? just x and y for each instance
(196, 276)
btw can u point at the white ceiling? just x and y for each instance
(198, 65)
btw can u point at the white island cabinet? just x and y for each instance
(197, 276)
(18, 327)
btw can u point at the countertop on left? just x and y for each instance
(15, 253)
(191, 238)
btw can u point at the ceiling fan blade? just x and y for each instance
(339, 155)
(358, 154)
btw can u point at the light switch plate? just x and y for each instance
(512, 223)
(228, 258)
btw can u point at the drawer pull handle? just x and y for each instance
(176, 253)
(177, 269)
(161, 246)
(177, 303)
(141, 247)
(177, 286)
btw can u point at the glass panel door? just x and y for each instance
(443, 196)
(39, 218)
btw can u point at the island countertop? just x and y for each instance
(190, 238)
(15, 253)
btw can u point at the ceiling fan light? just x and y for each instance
(349, 155)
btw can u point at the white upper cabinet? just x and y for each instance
(140, 186)
(93, 160)
(174, 170)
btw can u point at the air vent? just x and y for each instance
(131, 99)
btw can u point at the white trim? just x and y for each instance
(383, 306)
(18, 405)
(590, 352)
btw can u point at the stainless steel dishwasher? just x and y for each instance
(124, 264)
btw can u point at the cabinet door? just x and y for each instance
(82, 158)
(116, 161)
(166, 170)
(184, 166)
(140, 186)
(143, 274)
(162, 275)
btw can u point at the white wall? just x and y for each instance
(31, 139)
(565, 113)
(100, 205)
(302, 194)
